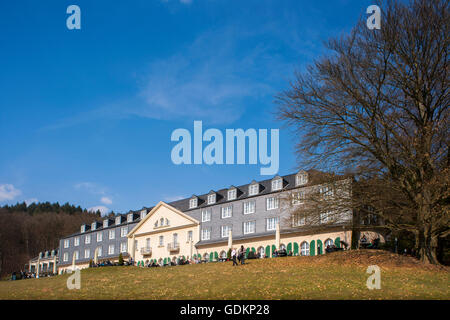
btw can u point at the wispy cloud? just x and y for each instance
(103, 210)
(106, 200)
(8, 192)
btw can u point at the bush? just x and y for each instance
(120, 260)
(229, 254)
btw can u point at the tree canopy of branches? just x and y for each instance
(377, 106)
(27, 230)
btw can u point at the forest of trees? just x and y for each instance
(27, 230)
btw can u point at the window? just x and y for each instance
(167, 222)
(325, 217)
(99, 236)
(329, 243)
(301, 179)
(272, 203)
(143, 214)
(83, 228)
(206, 215)
(249, 227)
(76, 241)
(135, 245)
(123, 231)
(298, 197)
(111, 249)
(175, 238)
(87, 253)
(94, 225)
(206, 234)
(161, 241)
(225, 231)
(112, 234)
(66, 243)
(147, 243)
(253, 189)
(99, 251)
(272, 223)
(277, 184)
(130, 218)
(227, 212)
(304, 248)
(105, 223)
(189, 237)
(249, 207)
(118, 220)
(77, 255)
(193, 203)
(66, 256)
(123, 247)
(231, 194)
(299, 220)
(212, 198)
(326, 192)
(87, 240)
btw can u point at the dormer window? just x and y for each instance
(161, 222)
(94, 225)
(130, 217)
(83, 228)
(167, 222)
(118, 220)
(212, 198)
(143, 214)
(301, 179)
(193, 203)
(253, 189)
(231, 194)
(277, 184)
(105, 223)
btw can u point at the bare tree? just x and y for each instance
(377, 106)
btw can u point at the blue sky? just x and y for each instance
(86, 115)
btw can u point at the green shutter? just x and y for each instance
(289, 247)
(267, 251)
(273, 249)
(216, 256)
(312, 248)
(319, 247)
(246, 253)
(337, 242)
(295, 248)
(254, 250)
(165, 260)
(211, 256)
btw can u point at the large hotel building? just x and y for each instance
(206, 226)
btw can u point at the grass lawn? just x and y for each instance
(340, 275)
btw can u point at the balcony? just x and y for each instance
(146, 251)
(173, 246)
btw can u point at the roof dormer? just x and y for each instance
(130, 217)
(212, 197)
(193, 202)
(301, 178)
(277, 183)
(253, 188)
(119, 219)
(83, 228)
(232, 193)
(95, 225)
(143, 213)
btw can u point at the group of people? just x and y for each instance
(29, 275)
(239, 255)
(365, 244)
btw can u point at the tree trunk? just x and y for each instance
(428, 246)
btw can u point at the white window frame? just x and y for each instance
(249, 227)
(298, 198)
(66, 243)
(76, 241)
(130, 217)
(112, 234)
(193, 202)
(304, 251)
(87, 239)
(190, 235)
(123, 247)
(87, 253)
(271, 223)
(253, 189)
(118, 220)
(227, 212)
(206, 215)
(143, 214)
(94, 226)
(66, 256)
(225, 231)
(113, 247)
(299, 220)
(206, 234)
(99, 251)
(301, 179)
(232, 194)
(161, 241)
(325, 217)
(272, 203)
(105, 223)
(212, 198)
(99, 236)
(277, 184)
(122, 233)
(77, 255)
(249, 207)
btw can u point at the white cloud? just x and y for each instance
(8, 192)
(106, 200)
(103, 210)
(30, 201)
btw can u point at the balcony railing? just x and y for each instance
(173, 246)
(146, 251)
